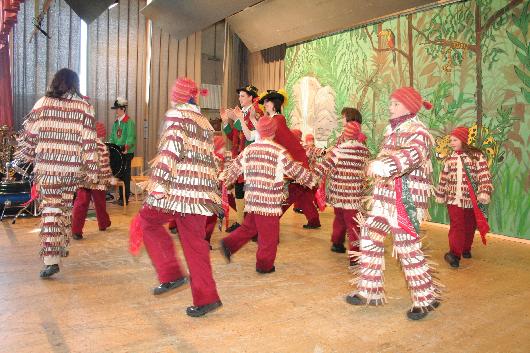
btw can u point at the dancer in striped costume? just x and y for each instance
(183, 187)
(466, 187)
(400, 199)
(345, 166)
(264, 164)
(95, 192)
(59, 137)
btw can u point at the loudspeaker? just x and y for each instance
(89, 10)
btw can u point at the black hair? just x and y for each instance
(277, 102)
(65, 81)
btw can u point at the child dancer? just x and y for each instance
(403, 182)
(264, 164)
(465, 186)
(96, 192)
(345, 166)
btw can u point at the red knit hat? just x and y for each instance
(411, 99)
(100, 130)
(185, 91)
(461, 133)
(218, 142)
(351, 130)
(309, 137)
(297, 133)
(266, 126)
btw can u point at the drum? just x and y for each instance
(117, 162)
(14, 193)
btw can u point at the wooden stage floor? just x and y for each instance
(101, 300)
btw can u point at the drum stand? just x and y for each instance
(32, 209)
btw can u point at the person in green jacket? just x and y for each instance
(124, 135)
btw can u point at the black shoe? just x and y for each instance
(167, 286)
(273, 269)
(49, 270)
(466, 255)
(452, 260)
(196, 311)
(298, 210)
(255, 238)
(233, 227)
(419, 313)
(311, 226)
(109, 197)
(173, 230)
(338, 248)
(354, 263)
(104, 229)
(77, 236)
(356, 299)
(225, 252)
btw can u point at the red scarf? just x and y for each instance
(482, 223)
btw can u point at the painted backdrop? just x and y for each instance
(471, 60)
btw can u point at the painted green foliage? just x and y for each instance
(475, 73)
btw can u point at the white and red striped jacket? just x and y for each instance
(264, 164)
(405, 151)
(104, 171)
(345, 167)
(453, 189)
(59, 137)
(183, 174)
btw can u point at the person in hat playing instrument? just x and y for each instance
(465, 186)
(123, 134)
(235, 123)
(264, 164)
(402, 172)
(59, 138)
(273, 102)
(183, 188)
(96, 191)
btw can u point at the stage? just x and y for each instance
(101, 300)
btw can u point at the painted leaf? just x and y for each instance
(522, 76)
(516, 41)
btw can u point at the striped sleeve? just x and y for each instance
(409, 157)
(232, 172)
(326, 166)
(484, 182)
(296, 171)
(440, 190)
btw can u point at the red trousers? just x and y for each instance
(304, 199)
(268, 230)
(462, 226)
(159, 245)
(345, 223)
(81, 203)
(210, 226)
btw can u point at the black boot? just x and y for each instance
(273, 269)
(311, 226)
(77, 236)
(225, 252)
(417, 313)
(298, 210)
(173, 230)
(466, 254)
(49, 270)
(167, 286)
(255, 238)
(452, 260)
(233, 227)
(357, 299)
(196, 311)
(338, 248)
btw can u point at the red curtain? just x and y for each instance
(8, 18)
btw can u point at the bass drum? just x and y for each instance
(117, 163)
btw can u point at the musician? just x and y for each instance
(123, 134)
(59, 137)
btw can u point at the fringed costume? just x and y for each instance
(183, 188)
(344, 167)
(465, 186)
(59, 137)
(264, 164)
(400, 202)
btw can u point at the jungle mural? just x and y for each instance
(470, 59)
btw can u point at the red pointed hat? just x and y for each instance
(411, 99)
(266, 126)
(185, 91)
